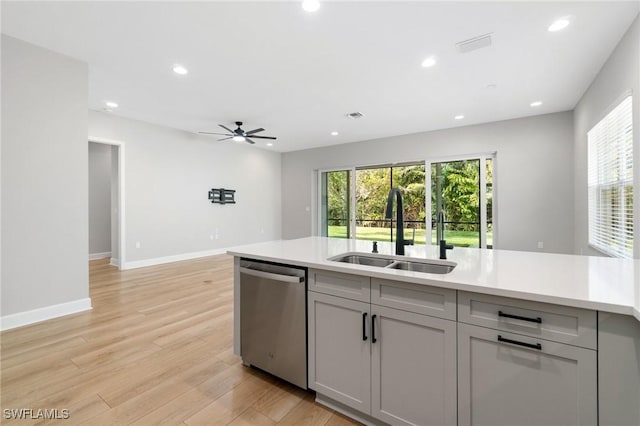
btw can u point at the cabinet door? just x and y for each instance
(339, 349)
(413, 368)
(505, 384)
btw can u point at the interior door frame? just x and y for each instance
(121, 195)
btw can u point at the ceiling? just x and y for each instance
(295, 73)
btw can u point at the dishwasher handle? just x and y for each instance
(272, 276)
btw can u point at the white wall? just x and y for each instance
(620, 74)
(44, 183)
(534, 175)
(168, 174)
(99, 199)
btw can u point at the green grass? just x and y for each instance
(457, 238)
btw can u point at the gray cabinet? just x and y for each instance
(502, 382)
(339, 355)
(413, 368)
(394, 365)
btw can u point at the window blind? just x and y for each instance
(610, 181)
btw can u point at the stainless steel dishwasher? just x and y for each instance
(273, 319)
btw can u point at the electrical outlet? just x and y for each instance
(211, 237)
(540, 244)
(262, 230)
(217, 234)
(137, 244)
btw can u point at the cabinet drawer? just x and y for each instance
(421, 299)
(353, 287)
(541, 320)
(506, 379)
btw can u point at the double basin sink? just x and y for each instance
(381, 261)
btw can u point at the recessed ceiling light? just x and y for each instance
(429, 62)
(111, 104)
(269, 144)
(311, 5)
(239, 138)
(334, 133)
(492, 86)
(559, 25)
(179, 69)
(536, 103)
(458, 117)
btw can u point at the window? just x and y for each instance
(610, 154)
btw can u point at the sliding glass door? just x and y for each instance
(335, 211)
(462, 201)
(353, 201)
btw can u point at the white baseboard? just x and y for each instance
(95, 256)
(114, 262)
(174, 258)
(20, 319)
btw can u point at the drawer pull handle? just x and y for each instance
(537, 346)
(364, 326)
(518, 317)
(373, 329)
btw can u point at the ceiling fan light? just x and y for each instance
(239, 138)
(311, 5)
(429, 62)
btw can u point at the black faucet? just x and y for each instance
(443, 243)
(399, 220)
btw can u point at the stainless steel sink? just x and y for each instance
(426, 267)
(363, 260)
(394, 262)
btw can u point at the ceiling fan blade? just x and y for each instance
(224, 139)
(227, 129)
(250, 132)
(248, 140)
(212, 133)
(263, 137)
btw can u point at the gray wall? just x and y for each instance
(168, 174)
(534, 175)
(99, 198)
(44, 178)
(620, 74)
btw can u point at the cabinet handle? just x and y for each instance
(373, 329)
(537, 346)
(518, 317)
(364, 326)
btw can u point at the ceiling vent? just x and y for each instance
(354, 115)
(474, 43)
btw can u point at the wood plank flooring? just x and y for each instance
(155, 349)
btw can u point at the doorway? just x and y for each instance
(106, 201)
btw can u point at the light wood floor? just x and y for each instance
(155, 349)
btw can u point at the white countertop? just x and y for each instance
(601, 283)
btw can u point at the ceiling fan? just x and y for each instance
(239, 135)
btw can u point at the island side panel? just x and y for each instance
(618, 369)
(236, 305)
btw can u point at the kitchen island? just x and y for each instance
(566, 332)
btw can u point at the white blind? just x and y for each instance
(611, 182)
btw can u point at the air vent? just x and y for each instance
(474, 43)
(354, 115)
